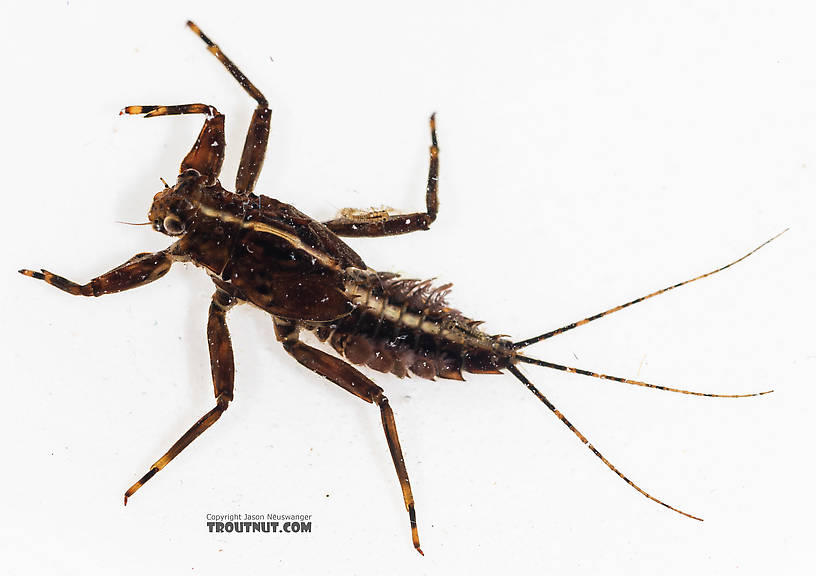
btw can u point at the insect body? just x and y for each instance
(261, 251)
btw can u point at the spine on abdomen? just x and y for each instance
(402, 325)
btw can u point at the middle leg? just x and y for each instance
(258, 135)
(352, 380)
(223, 374)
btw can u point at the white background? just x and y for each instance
(591, 152)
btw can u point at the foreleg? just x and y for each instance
(138, 271)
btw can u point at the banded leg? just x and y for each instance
(350, 379)
(380, 223)
(207, 154)
(258, 135)
(138, 271)
(223, 374)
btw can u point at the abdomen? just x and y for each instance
(404, 325)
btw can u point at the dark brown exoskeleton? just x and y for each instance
(261, 251)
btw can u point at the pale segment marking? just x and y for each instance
(397, 314)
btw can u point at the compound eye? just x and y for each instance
(172, 225)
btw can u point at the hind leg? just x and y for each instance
(352, 380)
(380, 222)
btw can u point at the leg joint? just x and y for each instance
(222, 301)
(287, 334)
(223, 400)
